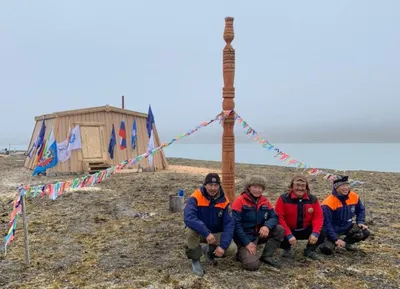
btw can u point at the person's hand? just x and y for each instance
(312, 239)
(251, 248)
(340, 243)
(210, 239)
(264, 231)
(363, 227)
(292, 241)
(219, 252)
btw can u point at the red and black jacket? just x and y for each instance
(250, 215)
(299, 213)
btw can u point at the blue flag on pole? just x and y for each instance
(112, 143)
(134, 134)
(40, 140)
(150, 121)
(49, 157)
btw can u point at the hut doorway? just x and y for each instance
(92, 136)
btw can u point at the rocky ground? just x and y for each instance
(122, 235)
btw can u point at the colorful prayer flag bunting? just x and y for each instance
(284, 156)
(55, 190)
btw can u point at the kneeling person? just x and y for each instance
(209, 220)
(339, 209)
(256, 222)
(301, 216)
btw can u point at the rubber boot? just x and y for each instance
(327, 247)
(287, 253)
(208, 252)
(350, 243)
(197, 269)
(310, 252)
(269, 250)
(195, 255)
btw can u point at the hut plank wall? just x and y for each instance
(63, 123)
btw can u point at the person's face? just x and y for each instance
(299, 188)
(343, 189)
(212, 189)
(256, 191)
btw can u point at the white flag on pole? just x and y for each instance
(74, 141)
(62, 150)
(150, 147)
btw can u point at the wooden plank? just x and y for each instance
(87, 123)
(105, 108)
(91, 143)
(25, 226)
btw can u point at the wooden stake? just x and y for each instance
(228, 94)
(25, 224)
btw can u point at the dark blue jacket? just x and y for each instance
(206, 215)
(250, 216)
(339, 212)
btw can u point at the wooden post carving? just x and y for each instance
(228, 94)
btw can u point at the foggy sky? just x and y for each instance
(305, 70)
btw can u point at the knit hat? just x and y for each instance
(298, 177)
(340, 180)
(212, 178)
(255, 181)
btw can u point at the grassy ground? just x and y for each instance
(123, 235)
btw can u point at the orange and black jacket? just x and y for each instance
(339, 212)
(299, 213)
(250, 215)
(206, 215)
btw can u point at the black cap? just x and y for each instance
(340, 180)
(212, 178)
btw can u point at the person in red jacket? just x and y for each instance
(256, 223)
(301, 216)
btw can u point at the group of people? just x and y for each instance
(216, 228)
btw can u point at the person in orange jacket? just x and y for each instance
(339, 209)
(208, 217)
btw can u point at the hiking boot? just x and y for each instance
(311, 254)
(208, 252)
(327, 247)
(287, 253)
(271, 261)
(269, 250)
(350, 247)
(197, 269)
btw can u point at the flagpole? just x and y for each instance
(25, 226)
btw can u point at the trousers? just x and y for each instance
(272, 242)
(353, 235)
(193, 240)
(304, 235)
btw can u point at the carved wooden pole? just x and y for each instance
(228, 94)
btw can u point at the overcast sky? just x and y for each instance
(301, 66)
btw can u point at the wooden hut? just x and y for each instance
(95, 129)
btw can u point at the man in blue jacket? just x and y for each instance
(208, 217)
(339, 210)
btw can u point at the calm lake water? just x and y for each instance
(384, 157)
